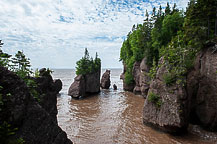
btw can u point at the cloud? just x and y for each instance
(54, 33)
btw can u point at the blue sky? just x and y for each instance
(54, 33)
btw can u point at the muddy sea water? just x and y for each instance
(113, 117)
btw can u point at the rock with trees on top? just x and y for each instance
(28, 103)
(87, 81)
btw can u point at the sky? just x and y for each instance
(55, 33)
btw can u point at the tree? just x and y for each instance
(167, 9)
(201, 15)
(87, 65)
(171, 25)
(21, 65)
(4, 57)
(174, 9)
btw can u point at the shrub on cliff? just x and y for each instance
(155, 99)
(87, 65)
(169, 79)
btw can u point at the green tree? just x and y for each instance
(171, 25)
(167, 9)
(200, 22)
(4, 57)
(87, 65)
(21, 65)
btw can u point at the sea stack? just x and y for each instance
(87, 81)
(105, 81)
(115, 87)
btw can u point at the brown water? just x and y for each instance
(113, 117)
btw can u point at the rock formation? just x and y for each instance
(92, 82)
(77, 88)
(142, 80)
(127, 87)
(48, 90)
(136, 76)
(85, 85)
(166, 106)
(35, 121)
(202, 88)
(105, 80)
(58, 85)
(115, 87)
(172, 108)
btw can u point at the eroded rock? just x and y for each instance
(202, 87)
(105, 80)
(77, 88)
(35, 122)
(92, 83)
(140, 75)
(169, 110)
(126, 87)
(115, 87)
(136, 76)
(85, 85)
(144, 80)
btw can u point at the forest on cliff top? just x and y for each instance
(173, 34)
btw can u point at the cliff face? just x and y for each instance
(92, 82)
(142, 80)
(136, 76)
(85, 85)
(169, 109)
(180, 105)
(36, 122)
(202, 87)
(126, 87)
(48, 90)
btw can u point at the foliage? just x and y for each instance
(44, 72)
(21, 65)
(128, 78)
(4, 57)
(153, 71)
(146, 40)
(87, 65)
(6, 131)
(171, 24)
(173, 35)
(1, 98)
(154, 98)
(31, 84)
(36, 73)
(169, 79)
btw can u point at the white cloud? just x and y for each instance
(54, 33)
